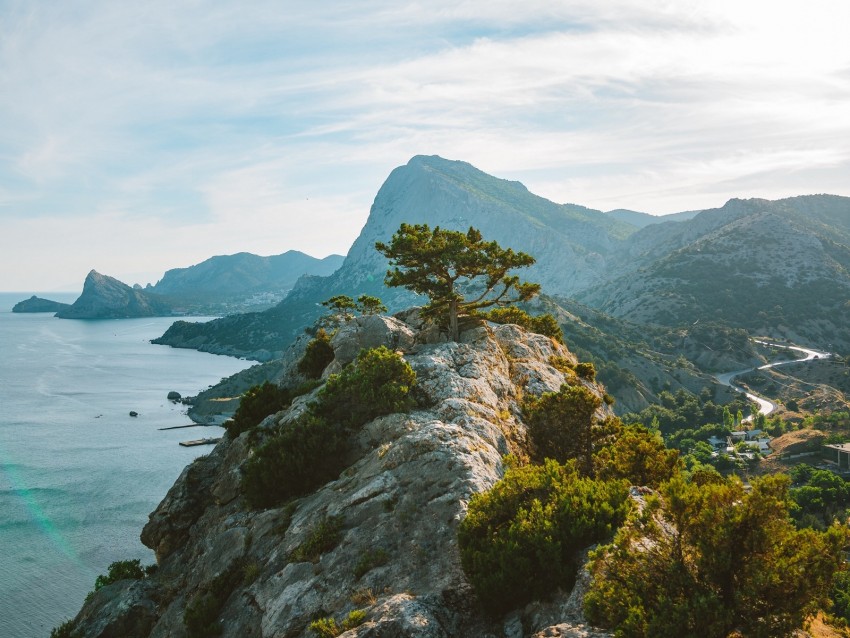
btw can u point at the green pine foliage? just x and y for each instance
(561, 425)
(518, 540)
(312, 451)
(445, 264)
(710, 559)
(65, 630)
(637, 455)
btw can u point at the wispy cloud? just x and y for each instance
(266, 127)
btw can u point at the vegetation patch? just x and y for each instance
(561, 425)
(260, 401)
(65, 630)
(327, 627)
(710, 559)
(518, 540)
(317, 356)
(323, 537)
(370, 559)
(541, 324)
(202, 612)
(312, 451)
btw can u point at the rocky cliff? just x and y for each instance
(392, 514)
(105, 297)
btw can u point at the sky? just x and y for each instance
(141, 136)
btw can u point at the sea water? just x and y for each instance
(78, 474)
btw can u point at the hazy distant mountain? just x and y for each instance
(242, 274)
(219, 285)
(105, 297)
(772, 267)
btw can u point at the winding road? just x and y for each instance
(766, 406)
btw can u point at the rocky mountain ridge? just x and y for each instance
(395, 509)
(105, 297)
(569, 242)
(219, 285)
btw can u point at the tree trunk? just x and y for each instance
(453, 329)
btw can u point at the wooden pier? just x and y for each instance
(200, 442)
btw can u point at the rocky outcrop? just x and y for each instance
(105, 297)
(38, 304)
(393, 512)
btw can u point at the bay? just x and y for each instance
(78, 474)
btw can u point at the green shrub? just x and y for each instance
(355, 618)
(65, 630)
(586, 370)
(312, 451)
(323, 537)
(707, 560)
(370, 559)
(294, 462)
(325, 627)
(561, 425)
(317, 356)
(202, 612)
(518, 540)
(545, 325)
(377, 383)
(123, 570)
(256, 404)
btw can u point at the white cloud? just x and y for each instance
(196, 116)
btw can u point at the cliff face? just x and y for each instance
(394, 510)
(105, 297)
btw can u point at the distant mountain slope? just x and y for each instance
(105, 297)
(641, 220)
(243, 273)
(571, 244)
(771, 267)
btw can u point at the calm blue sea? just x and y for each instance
(78, 475)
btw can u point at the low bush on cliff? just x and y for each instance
(65, 630)
(317, 356)
(260, 401)
(122, 570)
(518, 540)
(312, 451)
(378, 382)
(562, 425)
(201, 615)
(545, 325)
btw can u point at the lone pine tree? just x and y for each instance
(446, 264)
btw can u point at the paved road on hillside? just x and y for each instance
(766, 406)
